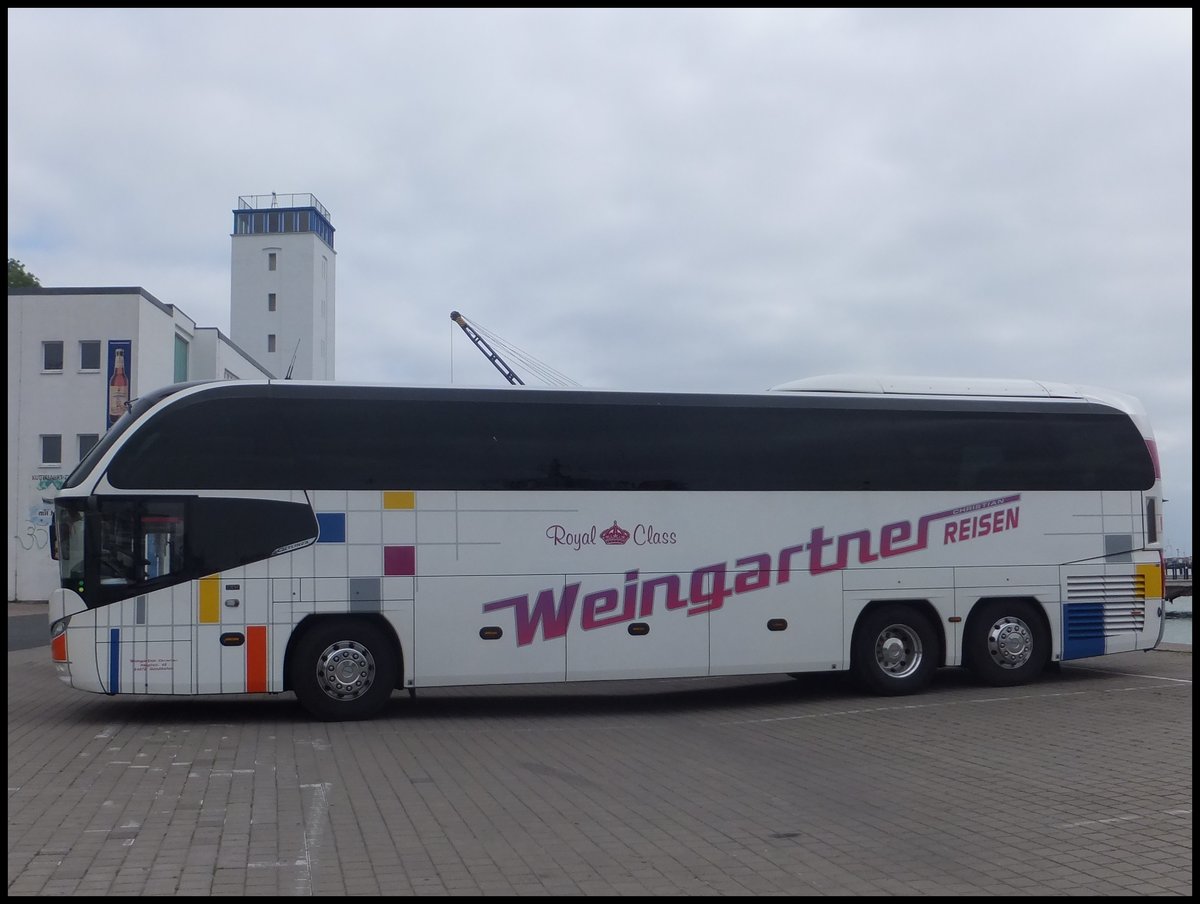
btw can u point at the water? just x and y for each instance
(1179, 628)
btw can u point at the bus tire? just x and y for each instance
(343, 669)
(895, 650)
(1006, 643)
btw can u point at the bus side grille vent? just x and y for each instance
(1107, 588)
(1101, 605)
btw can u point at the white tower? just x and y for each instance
(282, 298)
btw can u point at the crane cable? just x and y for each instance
(540, 369)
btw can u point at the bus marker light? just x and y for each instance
(639, 629)
(491, 632)
(232, 639)
(777, 624)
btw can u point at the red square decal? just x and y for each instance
(399, 561)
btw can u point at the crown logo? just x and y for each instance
(615, 536)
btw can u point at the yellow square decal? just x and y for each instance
(399, 499)
(210, 599)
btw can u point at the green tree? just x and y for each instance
(19, 277)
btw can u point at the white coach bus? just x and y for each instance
(344, 541)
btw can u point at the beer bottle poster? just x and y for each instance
(120, 379)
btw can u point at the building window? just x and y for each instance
(51, 450)
(270, 342)
(270, 301)
(86, 441)
(89, 354)
(52, 356)
(271, 260)
(181, 359)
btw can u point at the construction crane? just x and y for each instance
(542, 371)
(481, 343)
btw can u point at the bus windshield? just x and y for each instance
(133, 413)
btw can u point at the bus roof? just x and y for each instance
(850, 383)
(945, 386)
(876, 384)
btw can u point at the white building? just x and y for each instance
(282, 284)
(69, 352)
(75, 356)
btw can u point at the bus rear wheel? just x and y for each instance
(894, 650)
(1006, 643)
(343, 669)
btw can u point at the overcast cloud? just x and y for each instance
(647, 199)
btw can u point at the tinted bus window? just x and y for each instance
(658, 443)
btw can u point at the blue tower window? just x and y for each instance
(253, 219)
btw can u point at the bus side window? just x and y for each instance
(980, 467)
(162, 544)
(139, 541)
(116, 543)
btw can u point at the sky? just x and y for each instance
(704, 199)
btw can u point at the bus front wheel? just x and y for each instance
(1006, 643)
(894, 650)
(343, 669)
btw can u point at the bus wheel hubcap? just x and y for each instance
(898, 651)
(346, 670)
(1010, 643)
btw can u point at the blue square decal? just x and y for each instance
(332, 526)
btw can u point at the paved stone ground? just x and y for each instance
(1080, 784)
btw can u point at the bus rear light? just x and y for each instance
(1152, 448)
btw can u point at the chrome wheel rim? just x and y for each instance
(898, 651)
(345, 670)
(1010, 643)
